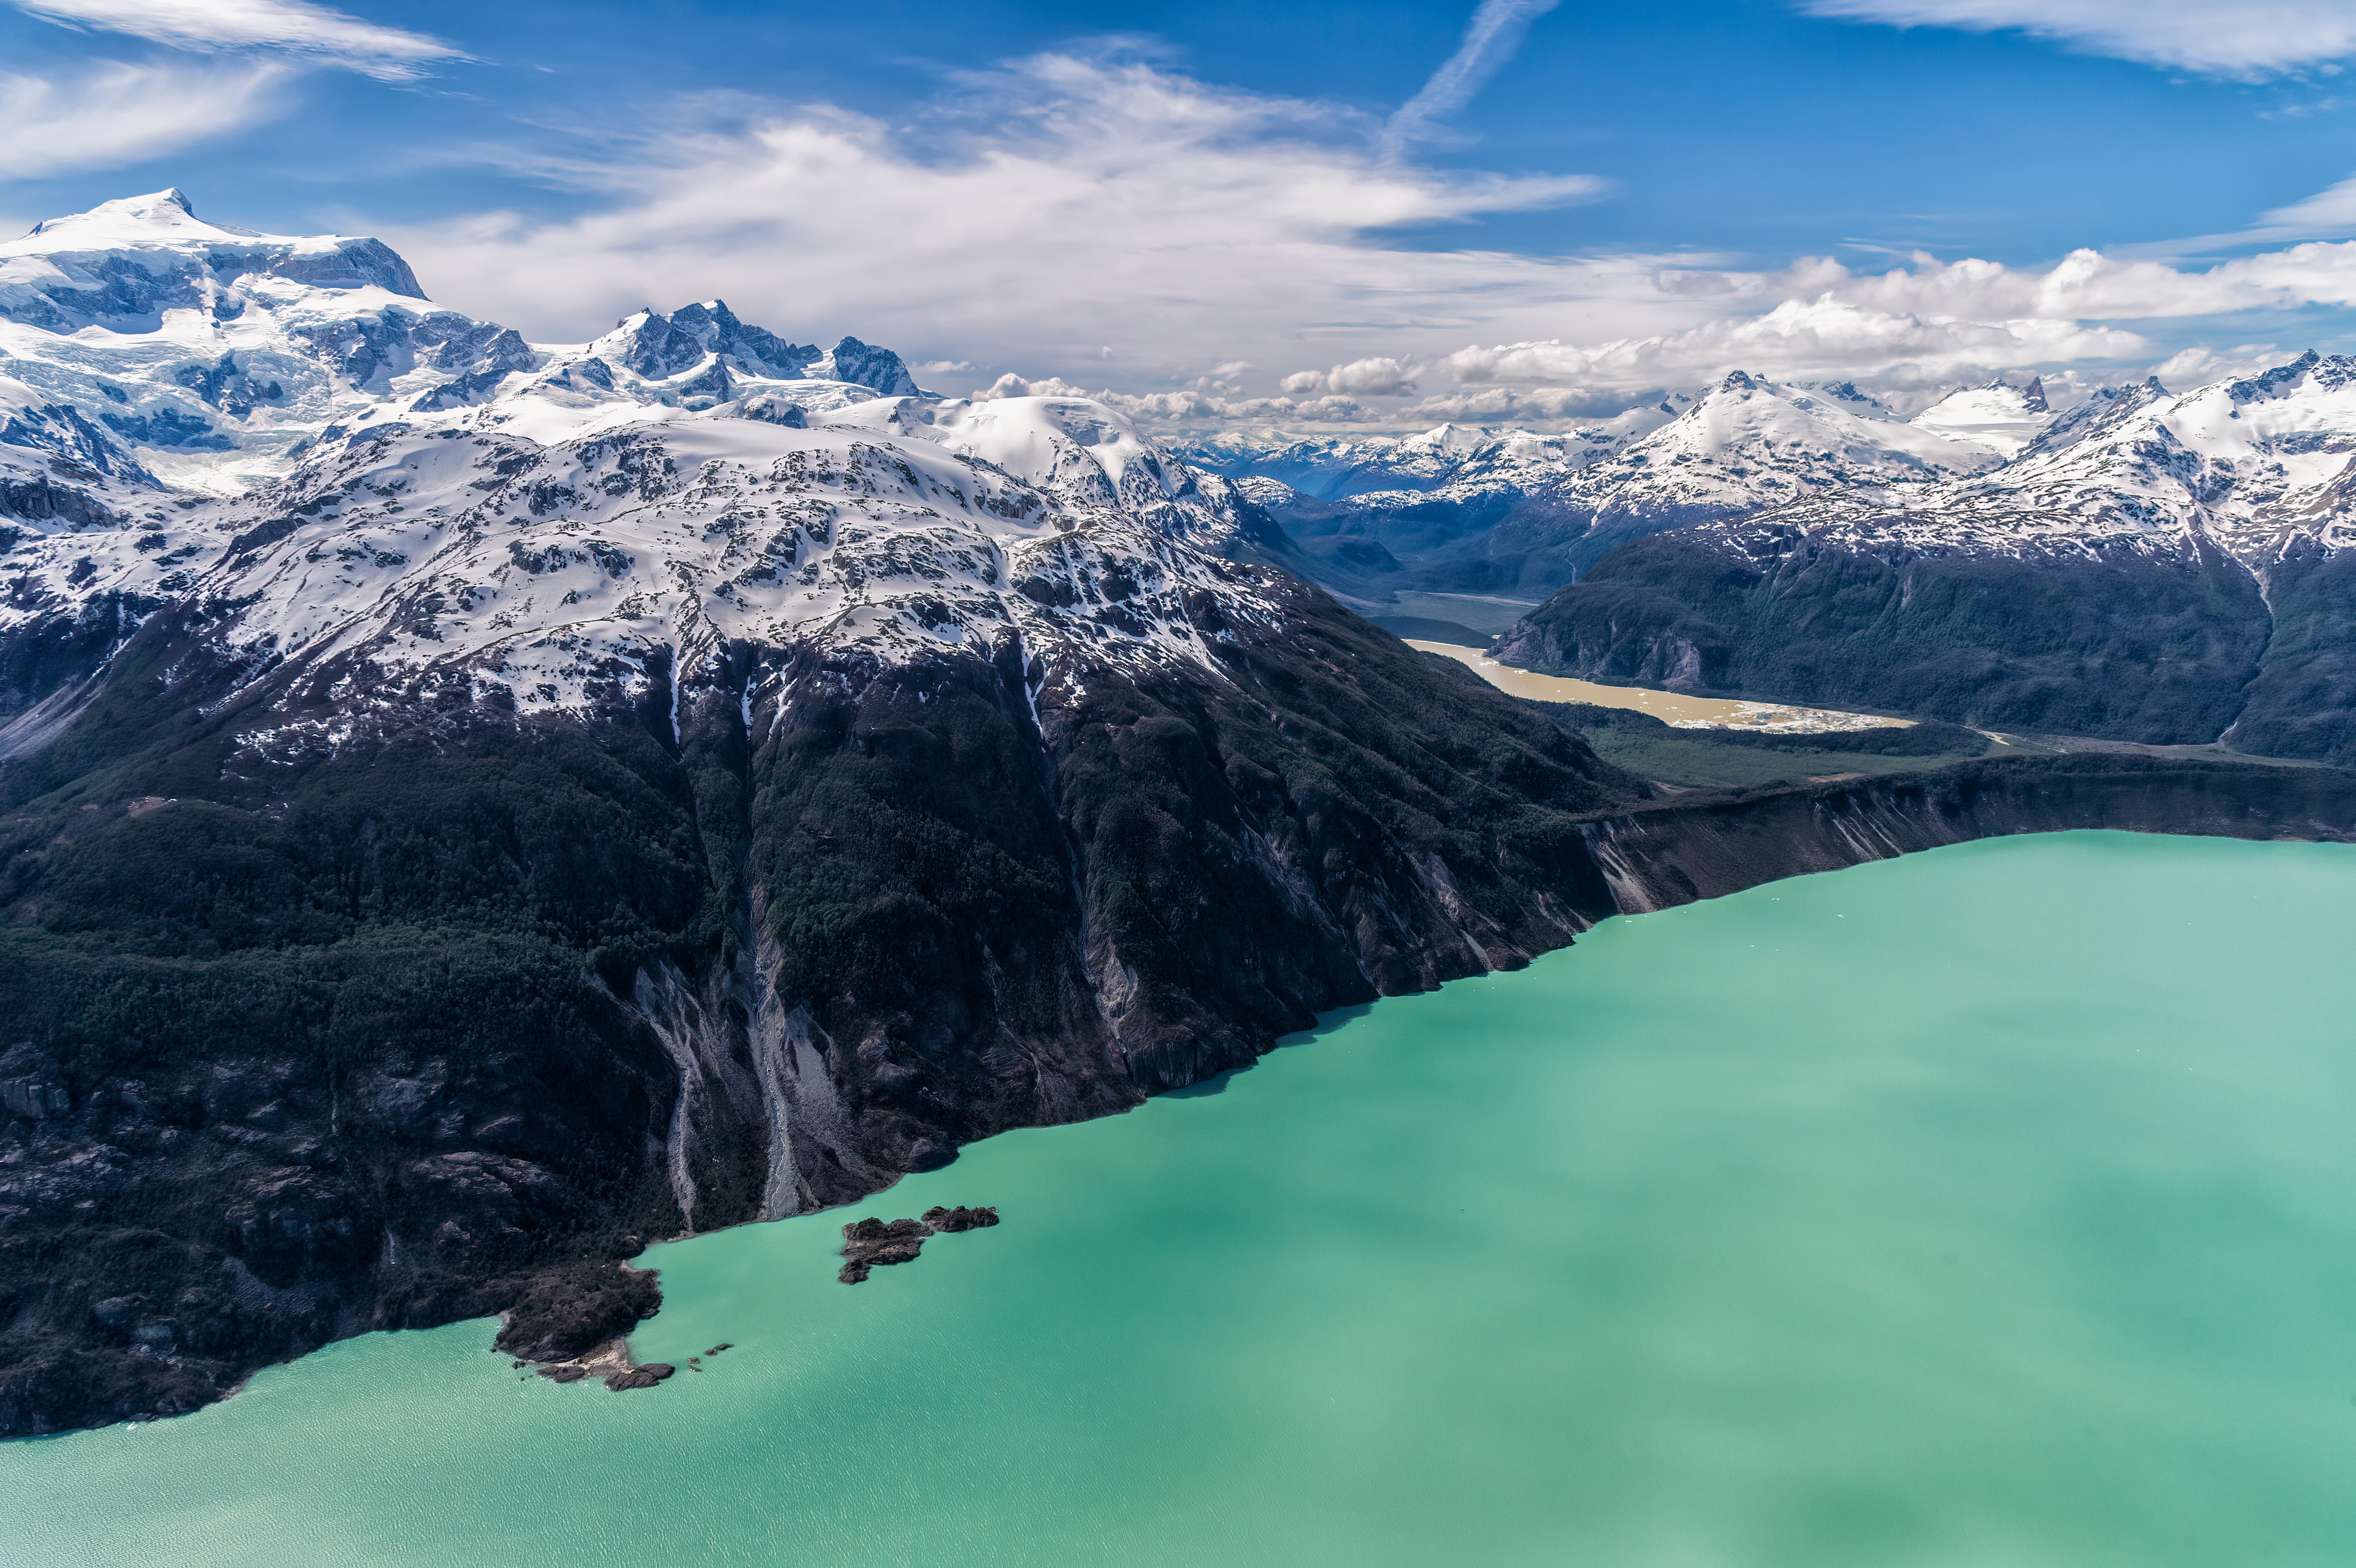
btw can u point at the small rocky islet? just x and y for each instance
(866, 1245)
(869, 1242)
(612, 1361)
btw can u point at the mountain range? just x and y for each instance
(1516, 514)
(2150, 567)
(472, 807)
(2145, 566)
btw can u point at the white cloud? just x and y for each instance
(2245, 37)
(1825, 336)
(114, 113)
(2084, 284)
(1013, 386)
(2328, 214)
(1502, 405)
(1380, 376)
(1060, 206)
(2197, 367)
(294, 26)
(1496, 30)
(1376, 376)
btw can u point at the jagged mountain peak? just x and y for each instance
(1746, 414)
(228, 353)
(659, 346)
(2310, 370)
(1997, 416)
(129, 265)
(864, 365)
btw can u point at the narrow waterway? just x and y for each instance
(1995, 1206)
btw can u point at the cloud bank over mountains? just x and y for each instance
(1090, 219)
(1105, 223)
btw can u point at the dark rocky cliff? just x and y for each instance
(454, 1015)
(1674, 852)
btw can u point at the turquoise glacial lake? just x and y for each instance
(1992, 1207)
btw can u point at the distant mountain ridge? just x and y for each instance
(1519, 514)
(2151, 566)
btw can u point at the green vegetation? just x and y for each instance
(2127, 643)
(1745, 759)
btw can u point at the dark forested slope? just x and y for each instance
(405, 1031)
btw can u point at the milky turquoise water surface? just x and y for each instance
(1992, 1207)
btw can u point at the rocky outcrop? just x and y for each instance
(1668, 854)
(870, 1244)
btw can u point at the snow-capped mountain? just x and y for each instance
(286, 424)
(1436, 460)
(1517, 513)
(1745, 444)
(470, 807)
(2151, 566)
(1749, 442)
(2252, 467)
(210, 356)
(2003, 418)
(1363, 510)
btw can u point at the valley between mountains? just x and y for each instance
(2144, 566)
(470, 808)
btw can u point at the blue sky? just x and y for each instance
(1221, 198)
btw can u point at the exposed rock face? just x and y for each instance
(1667, 854)
(869, 1245)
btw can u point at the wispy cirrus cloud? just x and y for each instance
(295, 29)
(110, 113)
(1495, 34)
(2245, 38)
